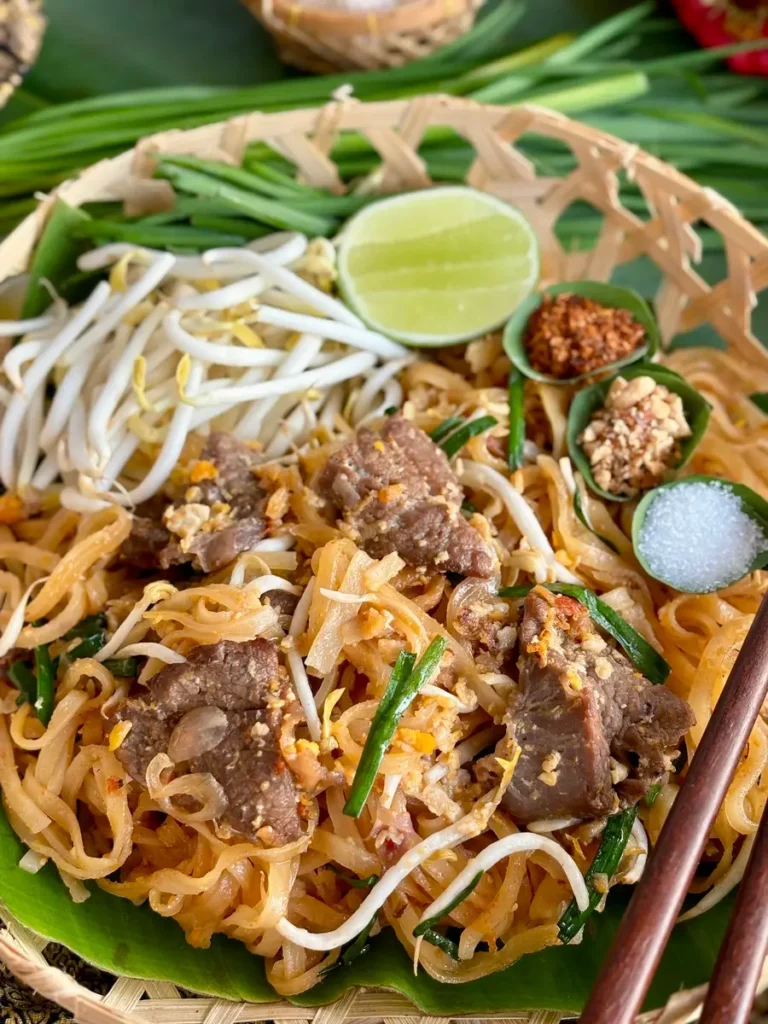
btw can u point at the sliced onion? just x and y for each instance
(201, 786)
(199, 731)
(469, 592)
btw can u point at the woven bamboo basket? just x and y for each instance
(667, 236)
(324, 39)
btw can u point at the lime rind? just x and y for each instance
(425, 287)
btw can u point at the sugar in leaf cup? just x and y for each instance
(701, 533)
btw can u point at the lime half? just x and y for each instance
(439, 266)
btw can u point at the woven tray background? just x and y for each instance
(667, 234)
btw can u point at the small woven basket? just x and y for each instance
(667, 236)
(21, 31)
(322, 39)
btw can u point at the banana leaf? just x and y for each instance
(117, 936)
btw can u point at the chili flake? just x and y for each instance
(569, 335)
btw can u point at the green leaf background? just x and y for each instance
(99, 46)
(113, 934)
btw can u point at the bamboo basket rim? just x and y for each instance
(684, 301)
(404, 17)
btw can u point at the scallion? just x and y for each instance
(448, 946)
(123, 668)
(442, 430)
(516, 420)
(613, 842)
(23, 678)
(356, 883)
(429, 922)
(87, 627)
(453, 444)
(404, 683)
(45, 675)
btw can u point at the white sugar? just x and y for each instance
(697, 537)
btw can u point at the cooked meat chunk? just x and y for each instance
(245, 682)
(397, 492)
(485, 628)
(219, 518)
(580, 704)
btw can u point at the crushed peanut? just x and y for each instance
(569, 335)
(634, 439)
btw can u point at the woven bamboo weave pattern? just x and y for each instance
(323, 39)
(667, 233)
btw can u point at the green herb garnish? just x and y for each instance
(124, 668)
(516, 388)
(613, 842)
(356, 883)
(404, 683)
(87, 627)
(355, 949)
(447, 945)
(452, 445)
(46, 678)
(444, 429)
(23, 678)
(429, 922)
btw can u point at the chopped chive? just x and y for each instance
(355, 949)
(516, 420)
(643, 655)
(356, 883)
(427, 924)
(87, 647)
(447, 945)
(444, 428)
(87, 627)
(468, 508)
(24, 680)
(453, 444)
(390, 410)
(404, 683)
(613, 842)
(45, 675)
(125, 668)
(760, 399)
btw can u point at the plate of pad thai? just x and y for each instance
(362, 588)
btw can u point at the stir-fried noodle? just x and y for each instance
(337, 618)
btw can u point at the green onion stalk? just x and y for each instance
(634, 75)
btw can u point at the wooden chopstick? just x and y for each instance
(630, 964)
(734, 979)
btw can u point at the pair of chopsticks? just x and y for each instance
(632, 960)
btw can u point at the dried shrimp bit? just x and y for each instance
(570, 335)
(634, 439)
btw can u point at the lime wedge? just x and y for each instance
(439, 266)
